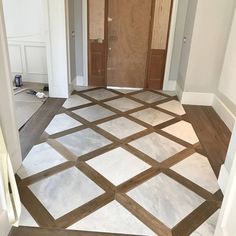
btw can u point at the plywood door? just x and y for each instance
(128, 38)
(97, 42)
(158, 50)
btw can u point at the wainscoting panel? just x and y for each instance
(29, 59)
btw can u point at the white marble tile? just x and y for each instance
(151, 116)
(126, 91)
(100, 94)
(121, 127)
(157, 146)
(208, 227)
(26, 219)
(182, 130)
(93, 113)
(173, 106)
(166, 199)
(198, 169)
(83, 142)
(170, 93)
(61, 123)
(40, 158)
(113, 218)
(123, 104)
(126, 165)
(149, 97)
(74, 101)
(65, 191)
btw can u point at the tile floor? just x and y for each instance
(129, 177)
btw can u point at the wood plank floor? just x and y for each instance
(32, 130)
(213, 134)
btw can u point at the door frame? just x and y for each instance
(167, 84)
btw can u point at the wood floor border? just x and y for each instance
(148, 219)
(195, 219)
(84, 210)
(190, 185)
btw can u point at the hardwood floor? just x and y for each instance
(31, 132)
(213, 134)
(212, 141)
(29, 231)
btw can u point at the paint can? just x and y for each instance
(18, 81)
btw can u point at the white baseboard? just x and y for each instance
(201, 99)
(225, 114)
(128, 88)
(223, 178)
(170, 85)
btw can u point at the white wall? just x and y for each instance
(7, 111)
(227, 83)
(58, 69)
(71, 39)
(209, 39)
(27, 36)
(178, 39)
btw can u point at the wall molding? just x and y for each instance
(224, 112)
(223, 178)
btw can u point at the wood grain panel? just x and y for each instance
(96, 19)
(128, 35)
(161, 24)
(97, 63)
(156, 69)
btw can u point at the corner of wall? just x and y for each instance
(223, 178)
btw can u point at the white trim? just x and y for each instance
(127, 88)
(224, 112)
(85, 42)
(201, 99)
(223, 178)
(170, 85)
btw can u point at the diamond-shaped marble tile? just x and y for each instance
(121, 127)
(126, 91)
(149, 97)
(126, 165)
(166, 199)
(74, 101)
(83, 142)
(208, 227)
(40, 158)
(157, 146)
(78, 189)
(100, 94)
(26, 219)
(61, 123)
(123, 104)
(198, 169)
(152, 116)
(173, 106)
(93, 113)
(182, 130)
(112, 218)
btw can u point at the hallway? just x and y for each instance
(137, 165)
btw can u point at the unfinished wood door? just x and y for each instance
(158, 51)
(97, 42)
(128, 39)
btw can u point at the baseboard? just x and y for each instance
(200, 99)
(223, 178)
(179, 92)
(170, 85)
(128, 88)
(225, 114)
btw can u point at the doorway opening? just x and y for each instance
(127, 42)
(26, 28)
